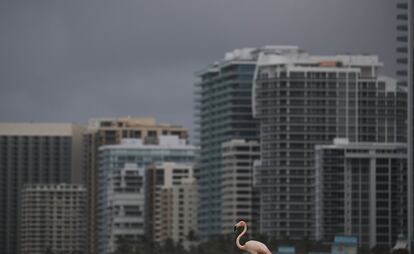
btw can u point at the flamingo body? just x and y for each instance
(253, 247)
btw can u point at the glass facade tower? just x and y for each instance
(405, 73)
(224, 112)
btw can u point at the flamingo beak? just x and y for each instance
(235, 228)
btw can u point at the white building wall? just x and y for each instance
(125, 205)
(175, 204)
(237, 182)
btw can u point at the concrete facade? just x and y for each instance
(238, 198)
(361, 191)
(405, 72)
(171, 203)
(116, 191)
(177, 212)
(303, 100)
(52, 218)
(125, 207)
(34, 153)
(110, 131)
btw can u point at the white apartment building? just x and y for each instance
(125, 204)
(122, 186)
(178, 210)
(172, 202)
(238, 197)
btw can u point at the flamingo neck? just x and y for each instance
(242, 247)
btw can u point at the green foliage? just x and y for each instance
(364, 250)
(49, 251)
(223, 245)
(192, 237)
(380, 250)
(400, 251)
(123, 247)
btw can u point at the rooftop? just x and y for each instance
(295, 56)
(37, 129)
(343, 143)
(128, 121)
(165, 142)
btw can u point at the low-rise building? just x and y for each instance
(345, 245)
(286, 250)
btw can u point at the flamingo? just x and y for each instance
(253, 247)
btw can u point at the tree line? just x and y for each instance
(226, 245)
(223, 245)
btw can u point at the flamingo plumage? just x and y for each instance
(253, 247)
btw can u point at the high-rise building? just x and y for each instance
(52, 218)
(303, 100)
(33, 153)
(405, 58)
(109, 131)
(238, 198)
(121, 181)
(361, 191)
(166, 209)
(172, 202)
(124, 209)
(178, 210)
(223, 112)
(404, 40)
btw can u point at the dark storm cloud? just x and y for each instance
(73, 60)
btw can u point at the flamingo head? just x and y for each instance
(239, 224)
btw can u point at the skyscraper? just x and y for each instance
(303, 100)
(224, 113)
(110, 131)
(34, 153)
(52, 217)
(405, 72)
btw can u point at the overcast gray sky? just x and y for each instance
(71, 60)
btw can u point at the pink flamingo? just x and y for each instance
(253, 247)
